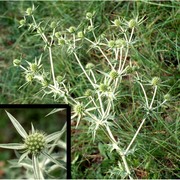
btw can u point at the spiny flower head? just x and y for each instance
(89, 15)
(16, 62)
(117, 22)
(90, 66)
(132, 23)
(35, 142)
(72, 29)
(79, 109)
(155, 81)
(88, 93)
(103, 87)
(167, 97)
(113, 74)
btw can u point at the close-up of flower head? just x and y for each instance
(36, 147)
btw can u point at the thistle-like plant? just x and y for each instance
(98, 105)
(36, 147)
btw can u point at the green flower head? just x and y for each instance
(35, 142)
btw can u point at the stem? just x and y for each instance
(42, 34)
(132, 32)
(120, 152)
(93, 30)
(101, 104)
(155, 90)
(135, 135)
(120, 60)
(106, 57)
(147, 104)
(52, 66)
(93, 76)
(96, 106)
(83, 70)
(124, 60)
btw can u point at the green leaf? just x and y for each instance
(17, 125)
(55, 110)
(53, 160)
(36, 168)
(16, 146)
(32, 128)
(23, 156)
(55, 135)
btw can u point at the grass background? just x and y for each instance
(156, 53)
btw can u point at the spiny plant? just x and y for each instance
(98, 105)
(35, 150)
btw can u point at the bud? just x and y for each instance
(61, 41)
(111, 43)
(16, 62)
(44, 83)
(59, 79)
(117, 22)
(33, 67)
(90, 66)
(29, 11)
(103, 87)
(120, 43)
(72, 29)
(80, 34)
(58, 34)
(155, 81)
(90, 28)
(132, 23)
(29, 77)
(167, 97)
(22, 22)
(79, 109)
(88, 93)
(53, 25)
(89, 15)
(113, 74)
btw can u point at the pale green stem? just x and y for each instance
(116, 54)
(120, 60)
(118, 149)
(74, 40)
(96, 106)
(108, 108)
(125, 58)
(100, 101)
(159, 105)
(155, 90)
(124, 33)
(84, 70)
(52, 66)
(137, 132)
(89, 114)
(93, 30)
(52, 38)
(132, 32)
(106, 57)
(23, 68)
(92, 73)
(42, 34)
(147, 104)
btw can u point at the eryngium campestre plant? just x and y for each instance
(34, 144)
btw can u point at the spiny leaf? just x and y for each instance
(16, 146)
(17, 125)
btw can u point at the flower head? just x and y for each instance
(35, 142)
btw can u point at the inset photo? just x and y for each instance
(33, 141)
